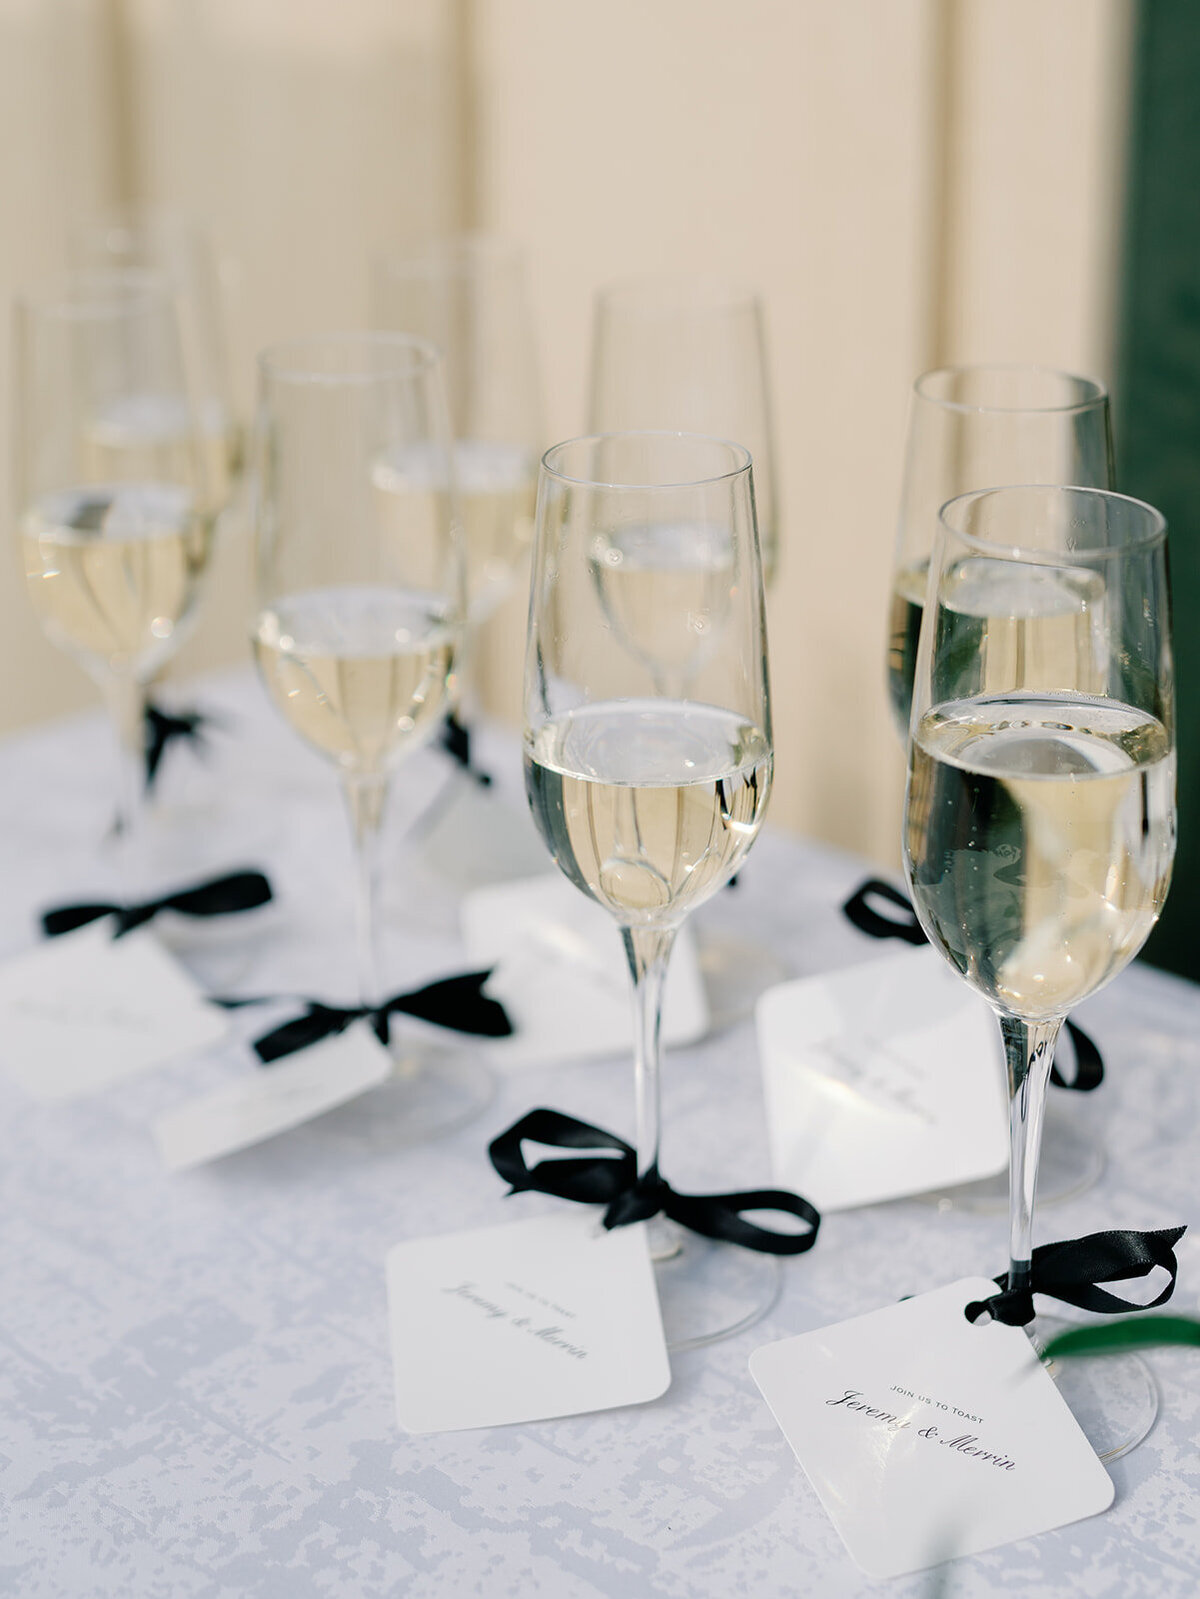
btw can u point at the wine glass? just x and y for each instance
(141, 239)
(1039, 826)
(468, 296)
(650, 800)
(977, 427)
(360, 611)
(116, 525)
(687, 351)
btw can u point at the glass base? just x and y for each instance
(1113, 1397)
(1071, 1163)
(709, 1290)
(736, 972)
(434, 1090)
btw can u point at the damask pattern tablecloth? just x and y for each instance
(194, 1369)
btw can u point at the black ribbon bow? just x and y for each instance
(222, 896)
(455, 739)
(457, 1002)
(160, 729)
(877, 922)
(1073, 1270)
(612, 1181)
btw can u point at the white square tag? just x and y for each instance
(560, 972)
(881, 1080)
(278, 1097)
(927, 1437)
(547, 1317)
(85, 1010)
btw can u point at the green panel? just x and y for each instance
(1157, 395)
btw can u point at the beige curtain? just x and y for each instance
(908, 182)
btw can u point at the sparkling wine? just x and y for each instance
(361, 673)
(1040, 836)
(113, 571)
(665, 588)
(496, 486)
(648, 806)
(1031, 626)
(155, 437)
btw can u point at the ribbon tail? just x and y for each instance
(318, 1022)
(66, 918)
(458, 1003)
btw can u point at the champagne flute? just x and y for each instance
(116, 538)
(360, 608)
(976, 427)
(174, 246)
(648, 801)
(1039, 825)
(686, 352)
(467, 295)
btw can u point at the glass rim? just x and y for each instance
(678, 293)
(414, 356)
(454, 253)
(1155, 533)
(97, 294)
(1093, 393)
(738, 451)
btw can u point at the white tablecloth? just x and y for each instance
(194, 1369)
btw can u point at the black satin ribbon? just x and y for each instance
(1073, 1270)
(161, 729)
(455, 739)
(458, 1003)
(864, 910)
(222, 896)
(612, 1181)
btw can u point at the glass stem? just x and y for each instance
(365, 799)
(125, 698)
(1028, 1054)
(648, 949)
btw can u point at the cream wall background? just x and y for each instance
(908, 182)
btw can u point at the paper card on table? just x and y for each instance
(881, 1080)
(551, 1316)
(274, 1100)
(559, 970)
(927, 1437)
(80, 1012)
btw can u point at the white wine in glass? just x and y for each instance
(176, 247)
(648, 798)
(360, 616)
(979, 427)
(1040, 812)
(468, 296)
(115, 541)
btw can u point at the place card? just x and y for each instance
(559, 970)
(881, 1080)
(552, 1316)
(273, 1100)
(83, 1011)
(927, 1437)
